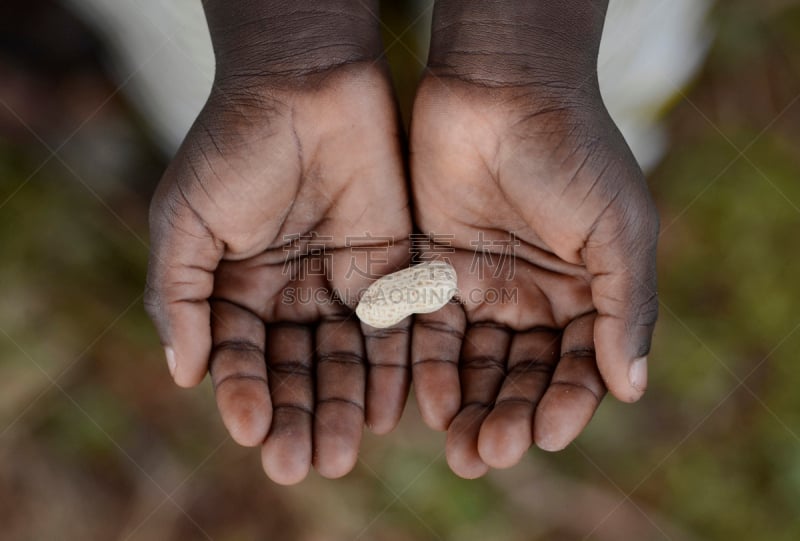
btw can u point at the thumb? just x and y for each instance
(620, 254)
(180, 279)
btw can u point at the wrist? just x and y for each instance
(551, 43)
(279, 41)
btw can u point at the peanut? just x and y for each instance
(420, 289)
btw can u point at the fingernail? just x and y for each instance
(170, 360)
(638, 374)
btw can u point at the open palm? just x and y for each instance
(553, 235)
(279, 207)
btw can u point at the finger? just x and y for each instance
(482, 369)
(575, 391)
(239, 373)
(341, 375)
(507, 433)
(621, 256)
(435, 347)
(388, 375)
(286, 454)
(180, 279)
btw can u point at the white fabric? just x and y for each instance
(163, 56)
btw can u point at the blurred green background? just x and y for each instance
(96, 442)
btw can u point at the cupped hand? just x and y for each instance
(261, 235)
(553, 235)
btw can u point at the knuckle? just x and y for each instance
(373, 333)
(241, 377)
(583, 354)
(532, 366)
(440, 327)
(483, 362)
(341, 357)
(434, 361)
(341, 400)
(293, 406)
(579, 386)
(289, 368)
(239, 345)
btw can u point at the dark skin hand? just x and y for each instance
(300, 137)
(520, 143)
(288, 145)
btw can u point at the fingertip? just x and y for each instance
(505, 435)
(282, 464)
(336, 463)
(187, 378)
(466, 467)
(187, 358)
(248, 434)
(190, 350)
(622, 389)
(182, 376)
(380, 425)
(246, 411)
(551, 443)
(469, 472)
(438, 411)
(461, 448)
(286, 476)
(563, 413)
(624, 375)
(554, 439)
(337, 437)
(170, 355)
(637, 374)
